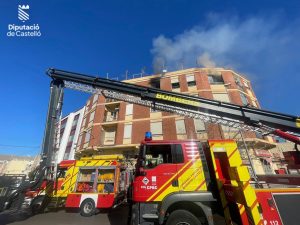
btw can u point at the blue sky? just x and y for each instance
(256, 38)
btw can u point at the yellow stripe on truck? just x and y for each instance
(168, 182)
(298, 122)
(177, 99)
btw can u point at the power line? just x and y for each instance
(18, 146)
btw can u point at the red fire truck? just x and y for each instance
(185, 182)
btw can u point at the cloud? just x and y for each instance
(268, 43)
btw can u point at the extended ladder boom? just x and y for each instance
(242, 117)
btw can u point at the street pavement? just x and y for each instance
(116, 216)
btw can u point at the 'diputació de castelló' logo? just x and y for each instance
(24, 29)
(23, 12)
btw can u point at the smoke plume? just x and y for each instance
(265, 48)
(239, 44)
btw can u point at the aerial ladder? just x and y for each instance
(211, 111)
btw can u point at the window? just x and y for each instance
(83, 123)
(156, 128)
(79, 140)
(199, 126)
(63, 124)
(221, 97)
(127, 130)
(114, 114)
(239, 83)
(111, 113)
(74, 123)
(244, 99)
(71, 137)
(155, 83)
(190, 79)
(109, 137)
(215, 79)
(175, 83)
(180, 127)
(157, 154)
(92, 115)
(66, 156)
(87, 136)
(178, 154)
(245, 83)
(129, 109)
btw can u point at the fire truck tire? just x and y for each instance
(182, 217)
(36, 205)
(87, 208)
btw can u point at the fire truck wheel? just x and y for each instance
(36, 205)
(87, 207)
(182, 217)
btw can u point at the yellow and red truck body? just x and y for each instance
(99, 178)
(208, 180)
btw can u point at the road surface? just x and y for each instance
(113, 217)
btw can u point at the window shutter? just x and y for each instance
(199, 125)
(190, 78)
(127, 130)
(180, 127)
(129, 109)
(221, 97)
(156, 128)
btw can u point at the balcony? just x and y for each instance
(111, 118)
(108, 135)
(111, 113)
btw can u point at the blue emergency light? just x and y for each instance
(148, 136)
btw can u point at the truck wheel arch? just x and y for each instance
(191, 201)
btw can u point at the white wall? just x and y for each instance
(64, 140)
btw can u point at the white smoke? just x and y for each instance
(228, 43)
(265, 48)
(205, 60)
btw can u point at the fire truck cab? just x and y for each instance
(172, 178)
(189, 182)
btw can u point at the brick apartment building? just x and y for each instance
(111, 127)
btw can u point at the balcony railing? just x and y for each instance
(109, 141)
(111, 118)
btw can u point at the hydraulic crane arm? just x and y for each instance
(196, 107)
(241, 117)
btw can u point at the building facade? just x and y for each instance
(111, 127)
(67, 136)
(12, 164)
